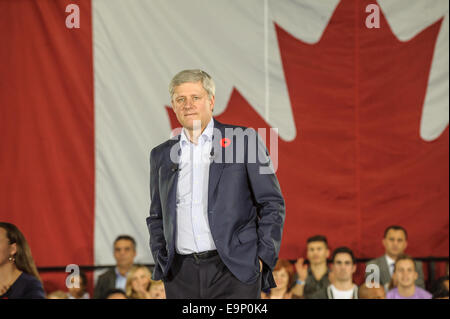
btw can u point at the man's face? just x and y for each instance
(395, 242)
(405, 273)
(317, 252)
(343, 267)
(124, 253)
(190, 103)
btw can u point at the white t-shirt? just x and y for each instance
(342, 294)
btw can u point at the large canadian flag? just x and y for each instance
(361, 109)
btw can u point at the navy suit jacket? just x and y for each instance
(246, 209)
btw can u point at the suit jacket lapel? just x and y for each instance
(384, 270)
(216, 166)
(169, 172)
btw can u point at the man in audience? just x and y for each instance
(405, 275)
(343, 268)
(311, 279)
(395, 242)
(124, 254)
(371, 293)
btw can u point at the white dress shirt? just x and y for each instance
(193, 232)
(391, 264)
(121, 281)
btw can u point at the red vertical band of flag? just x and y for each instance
(47, 129)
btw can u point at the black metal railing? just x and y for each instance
(430, 261)
(93, 268)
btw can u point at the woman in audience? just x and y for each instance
(283, 274)
(138, 283)
(19, 278)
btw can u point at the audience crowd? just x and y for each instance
(395, 275)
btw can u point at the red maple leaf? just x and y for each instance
(358, 163)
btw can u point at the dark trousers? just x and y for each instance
(194, 278)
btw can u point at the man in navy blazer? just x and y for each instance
(216, 212)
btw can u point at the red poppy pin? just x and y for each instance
(225, 142)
